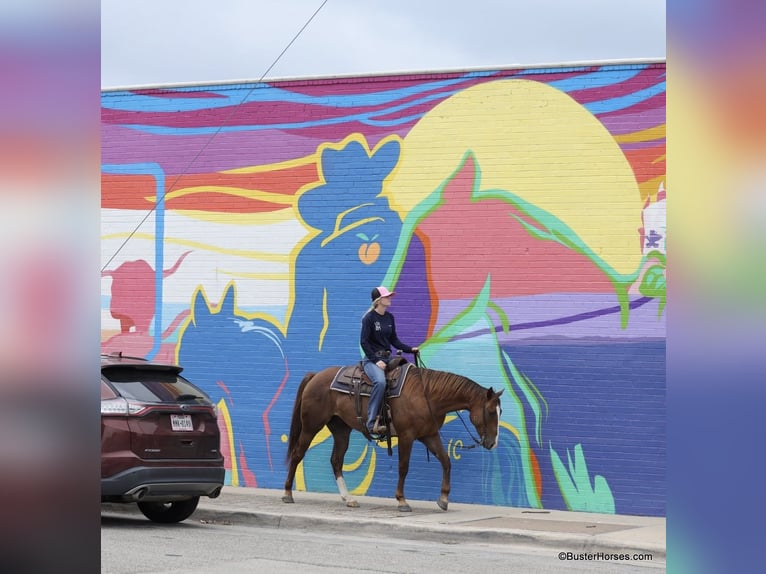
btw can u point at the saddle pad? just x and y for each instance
(346, 377)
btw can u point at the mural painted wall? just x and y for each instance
(518, 213)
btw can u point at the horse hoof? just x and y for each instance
(287, 499)
(442, 504)
(352, 504)
(405, 508)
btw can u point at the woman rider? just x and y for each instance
(377, 337)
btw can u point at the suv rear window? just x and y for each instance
(151, 385)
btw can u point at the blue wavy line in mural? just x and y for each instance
(266, 93)
(622, 102)
(129, 101)
(363, 118)
(601, 78)
(367, 118)
(599, 107)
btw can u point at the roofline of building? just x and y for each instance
(556, 65)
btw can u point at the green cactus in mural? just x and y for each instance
(575, 484)
(653, 283)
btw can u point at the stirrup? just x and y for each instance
(379, 428)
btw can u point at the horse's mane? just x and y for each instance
(446, 383)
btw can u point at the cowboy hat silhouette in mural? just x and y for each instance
(353, 240)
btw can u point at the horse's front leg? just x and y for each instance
(434, 444)
(405, 450)
(341, 433)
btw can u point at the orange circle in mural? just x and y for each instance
(369, 253)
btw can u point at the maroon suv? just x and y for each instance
(160, 444)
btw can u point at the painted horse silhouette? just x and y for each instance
(418, 414)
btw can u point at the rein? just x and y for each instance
(476, 442)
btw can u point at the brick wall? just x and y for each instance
(518, 213)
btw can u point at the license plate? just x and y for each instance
(181, 422)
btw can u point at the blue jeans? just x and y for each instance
(378, 378)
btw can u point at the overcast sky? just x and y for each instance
(150, 42)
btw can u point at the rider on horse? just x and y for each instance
(377, 337)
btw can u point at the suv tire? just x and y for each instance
(169, 512)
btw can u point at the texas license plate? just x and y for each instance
(181, 423)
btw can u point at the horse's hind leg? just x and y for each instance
(341, 433)
(434, 444)
(304, 441)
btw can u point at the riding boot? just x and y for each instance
(378, 427)
(373, 407)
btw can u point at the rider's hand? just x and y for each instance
(381, 364)
(415, 349)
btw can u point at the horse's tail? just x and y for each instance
(295, 422)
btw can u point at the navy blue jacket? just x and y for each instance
(378, 335)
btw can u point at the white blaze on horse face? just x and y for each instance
(497, 433)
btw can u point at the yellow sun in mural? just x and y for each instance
(536, 142)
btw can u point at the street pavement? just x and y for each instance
(560, 531)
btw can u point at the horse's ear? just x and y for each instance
(227, 305)
(491, 394)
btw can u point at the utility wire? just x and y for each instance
(226, 120)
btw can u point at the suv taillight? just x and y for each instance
(120, 406)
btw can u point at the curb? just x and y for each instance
(402, 530)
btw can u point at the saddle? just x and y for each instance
(352, 380)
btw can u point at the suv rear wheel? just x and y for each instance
(168, 512)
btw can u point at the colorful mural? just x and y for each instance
(518, 213)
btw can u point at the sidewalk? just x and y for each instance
(560, 531)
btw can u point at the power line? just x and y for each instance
(213, 135)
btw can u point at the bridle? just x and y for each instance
(476, 441)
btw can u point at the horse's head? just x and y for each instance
(485, 416)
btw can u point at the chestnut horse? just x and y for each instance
(418, 414)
